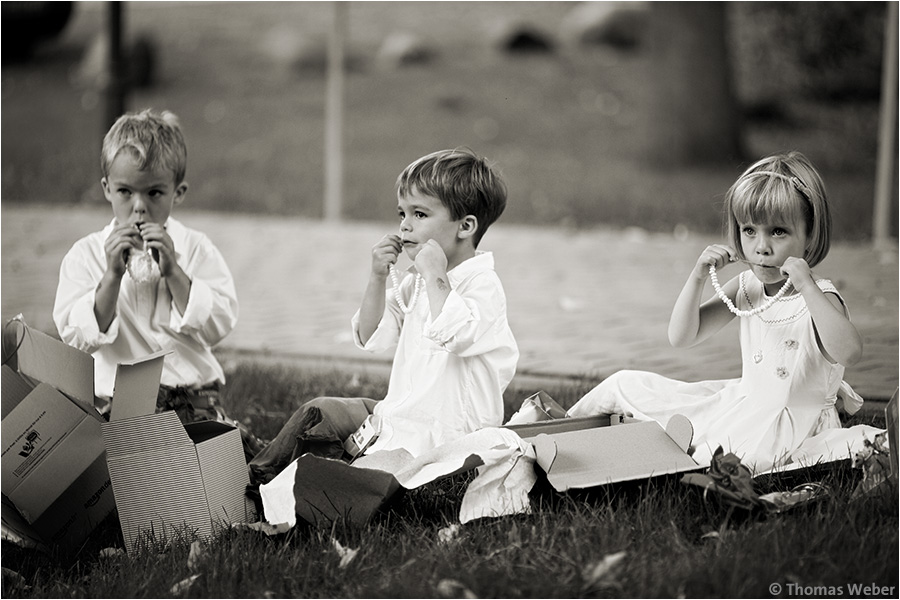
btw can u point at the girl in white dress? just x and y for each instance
(796, 335)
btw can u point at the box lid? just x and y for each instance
(599, 456)
(45, 359)
(14, 389)
(527, 431)
(137, 386)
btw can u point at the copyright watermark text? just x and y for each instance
(850, 590)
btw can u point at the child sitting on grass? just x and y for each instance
(455, 353)
(147, 283)
(796, 335)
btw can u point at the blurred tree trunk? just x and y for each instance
(693, 115)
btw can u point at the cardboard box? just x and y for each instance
(169, 478)
(56, 488)
(593, 455)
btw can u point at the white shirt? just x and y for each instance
(146, 319)
(449, 371)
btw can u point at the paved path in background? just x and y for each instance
(581, 304)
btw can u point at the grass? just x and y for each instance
(676, 543)
(564, 128)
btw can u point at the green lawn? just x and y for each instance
(676, 542)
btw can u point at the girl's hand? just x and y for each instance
(123, 239)
(162, 246)
(716, 254)
(385, 253)
(431, 259)
(799, 272)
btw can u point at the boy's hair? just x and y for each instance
(464, 182)
(153, 139)
(782, 187)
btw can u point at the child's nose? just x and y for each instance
(139, 206)
(763, 246)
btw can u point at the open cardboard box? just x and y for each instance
(170, 478)
(586, 452)
(55, 483)
(629, 451)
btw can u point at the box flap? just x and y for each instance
(137, 386)
(681, 430)
(527, 431)
(225, 477)
(32, 431)
(326, 489)
(14, 389)
(142, 434)
(45, 359)
(599, 456)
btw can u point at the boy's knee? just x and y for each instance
(334, 418)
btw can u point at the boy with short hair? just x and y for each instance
(455, 353)
(146, 282)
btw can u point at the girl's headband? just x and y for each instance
(795, 181)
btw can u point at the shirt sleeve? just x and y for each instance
(212, 309)
(473, 319)
(73, 308)
(387, 334)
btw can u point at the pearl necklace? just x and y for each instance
(420, 283)
(745, 313)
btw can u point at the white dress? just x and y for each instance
(786, 393)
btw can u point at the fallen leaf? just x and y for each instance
(183, 585)
(451, 588)
(448, 534)
(346, 554)
(603, 573)
(195, 556)
(263, 527)
(514, 537)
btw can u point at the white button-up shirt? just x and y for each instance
(146, 319)
(449, 371)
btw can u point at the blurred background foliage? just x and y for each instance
(558, 94)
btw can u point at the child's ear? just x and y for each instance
(104, 183)
(467, 226)
(180, 192)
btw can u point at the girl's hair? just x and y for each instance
(464, 182)
(782, 187)
(153, 139)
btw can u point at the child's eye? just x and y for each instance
(778, 232)
(747, 231)
(400, 215)
(124, 192)
(420, 214)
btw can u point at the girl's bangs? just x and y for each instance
(767, 200)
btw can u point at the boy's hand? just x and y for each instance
(385, 253)
(431, 260)
(158, 240)
(799, 272)
(123, 239)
